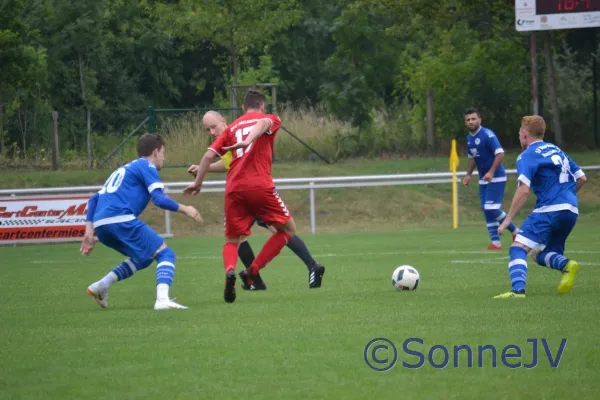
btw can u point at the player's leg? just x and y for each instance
(272, 210)
(492, 201)
(110, 236)
(237, 227)
(247, 256)
(148, 245)
(246, 253)
(534, 235)
(494, 215)
(491, 223)
(297, 245)
(269, 207)
(553, 255)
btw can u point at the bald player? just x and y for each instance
(214, 124)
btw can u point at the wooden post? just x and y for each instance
(430, 120)
(534, 76)
(55, 156)
(274, 98)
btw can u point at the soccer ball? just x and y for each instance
(405, 277)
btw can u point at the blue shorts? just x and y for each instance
(133, 239)
(491, 195)
(547, 231)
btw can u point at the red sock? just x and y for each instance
(269, 251)
(230, 256)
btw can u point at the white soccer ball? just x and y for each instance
(405, 277)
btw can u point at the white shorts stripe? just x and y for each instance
(492, 206)
(281, 203)
(557, 207)
(529, 243)
(494, 180)
(114, 220)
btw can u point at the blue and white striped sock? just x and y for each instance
(165, 272)
(501, 217)
(552, 260)
(122, 271)
(517, 268)
(492, 227)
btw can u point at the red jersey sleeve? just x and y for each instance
(221, 142)
(276, 124)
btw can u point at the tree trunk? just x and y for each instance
(36, 141)
(89, 137)
(1, 129)
(87, 111)
(234, 72)
(23, 127)
(430, 120)
(552, 90)
(55, 155)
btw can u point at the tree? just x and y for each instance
(236, 25)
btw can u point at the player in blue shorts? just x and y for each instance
(555, 179)
(112, 214)
(485, 152)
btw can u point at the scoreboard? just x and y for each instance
(541, 15)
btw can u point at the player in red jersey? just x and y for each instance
(249, 191)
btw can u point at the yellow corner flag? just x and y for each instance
(454, 162)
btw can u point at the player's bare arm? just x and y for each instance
(87, 244)
(470, 169)
(194, 188)
(218, 166)
(261, 127)
(492, 171)
(519, 200)
(580, 182)
(190, 212)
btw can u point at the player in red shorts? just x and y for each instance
(249, 191)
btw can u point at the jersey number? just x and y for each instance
(240, 135)
(565, 166)
(113, 182)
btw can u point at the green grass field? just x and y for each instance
(292, 342)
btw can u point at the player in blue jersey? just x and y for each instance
(555, 179)
(112, 216)
(486, 153)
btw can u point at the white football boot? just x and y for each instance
(100, 296)
(167, 304)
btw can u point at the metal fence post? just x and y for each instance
(313, 222)
(168, 232)
(168, 223)
(151, 120)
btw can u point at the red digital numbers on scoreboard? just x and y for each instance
(566, 6)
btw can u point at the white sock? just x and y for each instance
(162, 291)
(108, 280)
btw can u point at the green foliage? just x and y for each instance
(365, 64)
